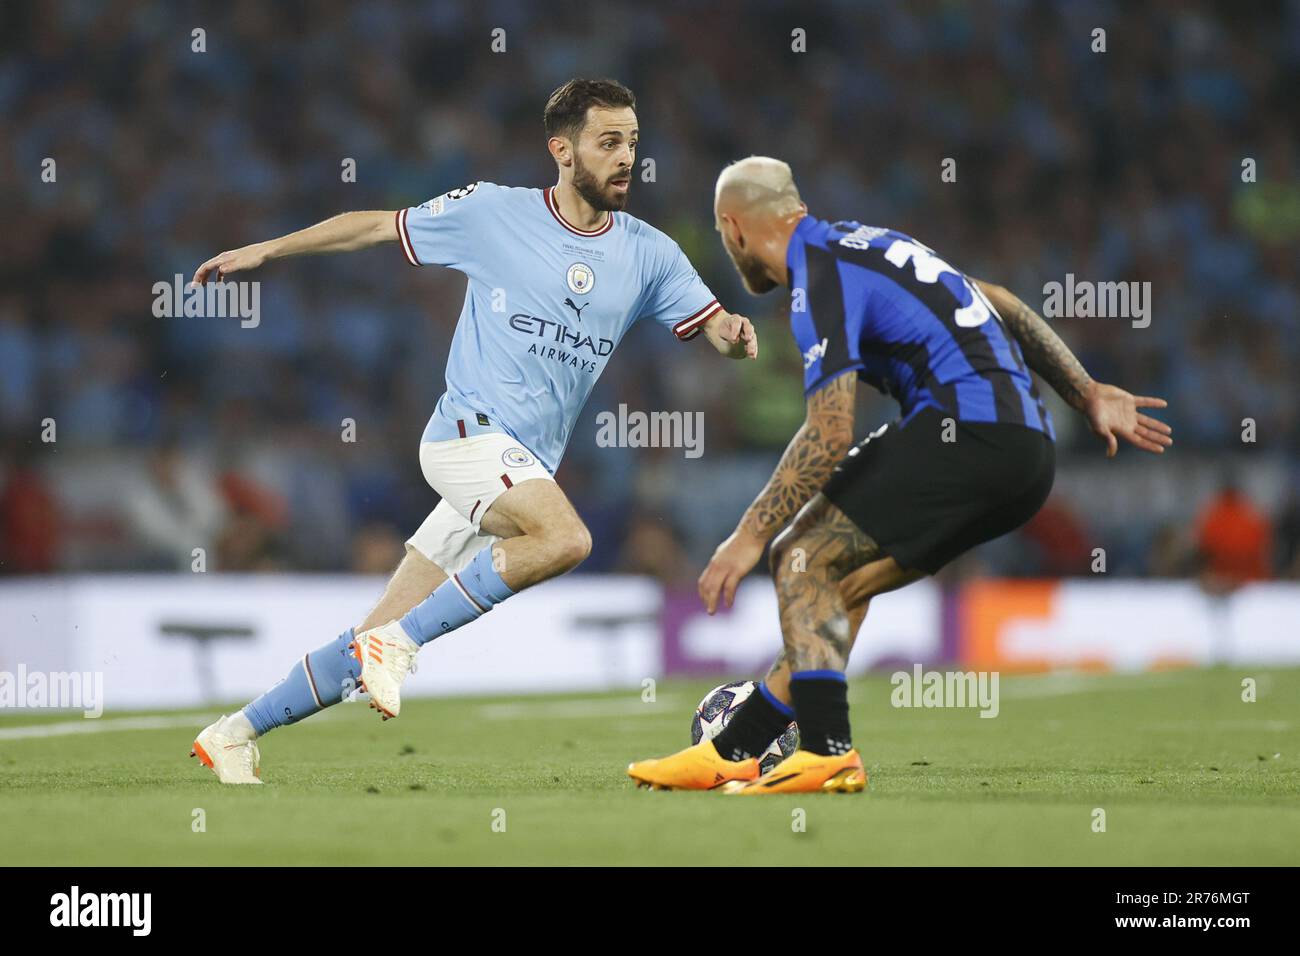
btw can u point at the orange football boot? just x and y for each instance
(696, 768)
(806, 772)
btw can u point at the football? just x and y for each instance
(716, 710)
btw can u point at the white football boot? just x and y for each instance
(386, 655)
(234, 758)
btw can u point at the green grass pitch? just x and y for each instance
(1185, 771)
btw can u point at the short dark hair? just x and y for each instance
(566, 110)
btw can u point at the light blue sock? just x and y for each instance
(458, 600)
(321, 679)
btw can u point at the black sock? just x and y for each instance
(821, 706)
(756, 723)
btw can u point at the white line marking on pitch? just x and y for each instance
(103, 726)
(1192, 724)
(1060, 685)
(576, 708)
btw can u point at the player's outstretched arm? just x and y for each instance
(1112, 413)
(818, 445)
(343, 233)
(1044, 351)
(732, 335)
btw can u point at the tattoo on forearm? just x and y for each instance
(1046, 353)
(808, 461)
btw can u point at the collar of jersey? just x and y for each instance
(802, 227)
(554, 207)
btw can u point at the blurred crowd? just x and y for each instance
(176, 434)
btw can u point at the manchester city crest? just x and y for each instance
(516, 458)
(580, 278)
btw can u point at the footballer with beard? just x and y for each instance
(971, 458)
(557, 276)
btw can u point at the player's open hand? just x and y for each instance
(233, 260)
(1113, 414)
(732, 335)
(734, 559)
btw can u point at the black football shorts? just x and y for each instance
(925, 500)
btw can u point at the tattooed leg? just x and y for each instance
(826, 572)
(809, 560)
(778, 678)
(857, 589)
(819, 622)
(778, 675)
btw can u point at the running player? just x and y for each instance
(556, 278)
(971, 459)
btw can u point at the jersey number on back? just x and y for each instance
(927, 268)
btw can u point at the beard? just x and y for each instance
(599, 196)
(752, 272)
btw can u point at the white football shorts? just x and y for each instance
(469, 474)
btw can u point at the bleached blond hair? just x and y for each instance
(758, 184)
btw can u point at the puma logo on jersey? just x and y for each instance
(575, 308)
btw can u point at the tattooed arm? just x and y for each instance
(1112, 413)
(812, 454)
(1044, 351)
(822, 440)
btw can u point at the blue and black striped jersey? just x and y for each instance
(879, 302)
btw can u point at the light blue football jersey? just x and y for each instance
(545, 307)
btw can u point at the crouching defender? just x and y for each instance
(970, 459)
